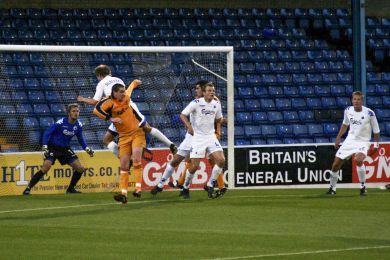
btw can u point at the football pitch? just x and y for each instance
(244, 224)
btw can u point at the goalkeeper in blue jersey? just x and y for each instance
(56, 146)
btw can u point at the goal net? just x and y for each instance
(37, 82)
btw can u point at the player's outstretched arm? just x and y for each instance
(89, 101)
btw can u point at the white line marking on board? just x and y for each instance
(302, 253)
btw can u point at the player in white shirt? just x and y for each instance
(103, 89)
(361, 122)
(204, 113)
(183, 150)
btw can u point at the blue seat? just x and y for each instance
(306, 116)
(299, 78)
(239, 132)
(174, 107)
(284, 79)
(268, 131)
(58, 109)
(260, 91)
(275, 91)
(247, 67)
(243, 118)
(30, 123)
(252, 131)
(300, 130)
(11, 123)
(245, 92)
(290, 91)
(284, 131)
(321, 66)
(258, 141)
(315, 130)
(274, 141)
(239, 105)
(306, 66)
(36, 96)
(328, 102)
(386, 101)
(259, 117)
(275, 116)
(321, 140)
(252, 104)
(322, 90)
(41, 109)
(292, 66)
(290, 116)
(305, 140)
(331, 129)
(269, 79)
(374, 102)
(45, 122)
(282, 103)
(19, 96)
(336, 115)
(144, 108)
(8, 109)
(344, 77)
(329, 77)
(242, 141)
(24, 109)
(337, 90)
(267, 104)
(306, 91)
(298, 103)
(314, 78)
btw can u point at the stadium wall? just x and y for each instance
(284, 166)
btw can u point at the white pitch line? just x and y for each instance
(302, 253)
(150, 201)
(79, 206)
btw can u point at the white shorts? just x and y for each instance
(112, 129)
(204, 144)
(185, 146)
(349, 147)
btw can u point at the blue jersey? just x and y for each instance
(61, 132)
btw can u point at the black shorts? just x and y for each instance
(64, 155)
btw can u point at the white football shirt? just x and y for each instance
(203, 115)
(103, 88)
(361, 124)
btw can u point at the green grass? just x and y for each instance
(243, 223)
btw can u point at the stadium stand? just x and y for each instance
(290, 82)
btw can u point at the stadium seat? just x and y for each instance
(313, 103)
(259, 117)
(30, 123)
(243, 118)
(45, 122)
(290, 91)
(336, 115)
(252, 131)
(19, 96)
(374, 102)
(290, 116)
(337, 90)
(328, 102)
(331, 129)
(58, 109)
(268, 131)
(258, 141)
(275, 117)
(322, 115)
(267, 104)
(275, 91)
(274, 141)
(239, 132)
(300, 130)
(36, 96)
(242, 141)
(306, 116)
(343, 102)
(298, 103)
(282, 103)
(239, 105)
(252, 104)
(321, 140)
(24, 109)
(284, 131)
(260, 91)
(305, 140)
(42, 109)
(315, 130)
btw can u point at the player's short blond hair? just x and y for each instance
(357, 93)
(102, 70)
(71, 106)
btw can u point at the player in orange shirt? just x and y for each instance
(120, 110)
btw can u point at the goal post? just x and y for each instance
(34, 69)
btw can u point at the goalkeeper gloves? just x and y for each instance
(45, 151)
(89, 151)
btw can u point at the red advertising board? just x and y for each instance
(377, 166)
(154, 169)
